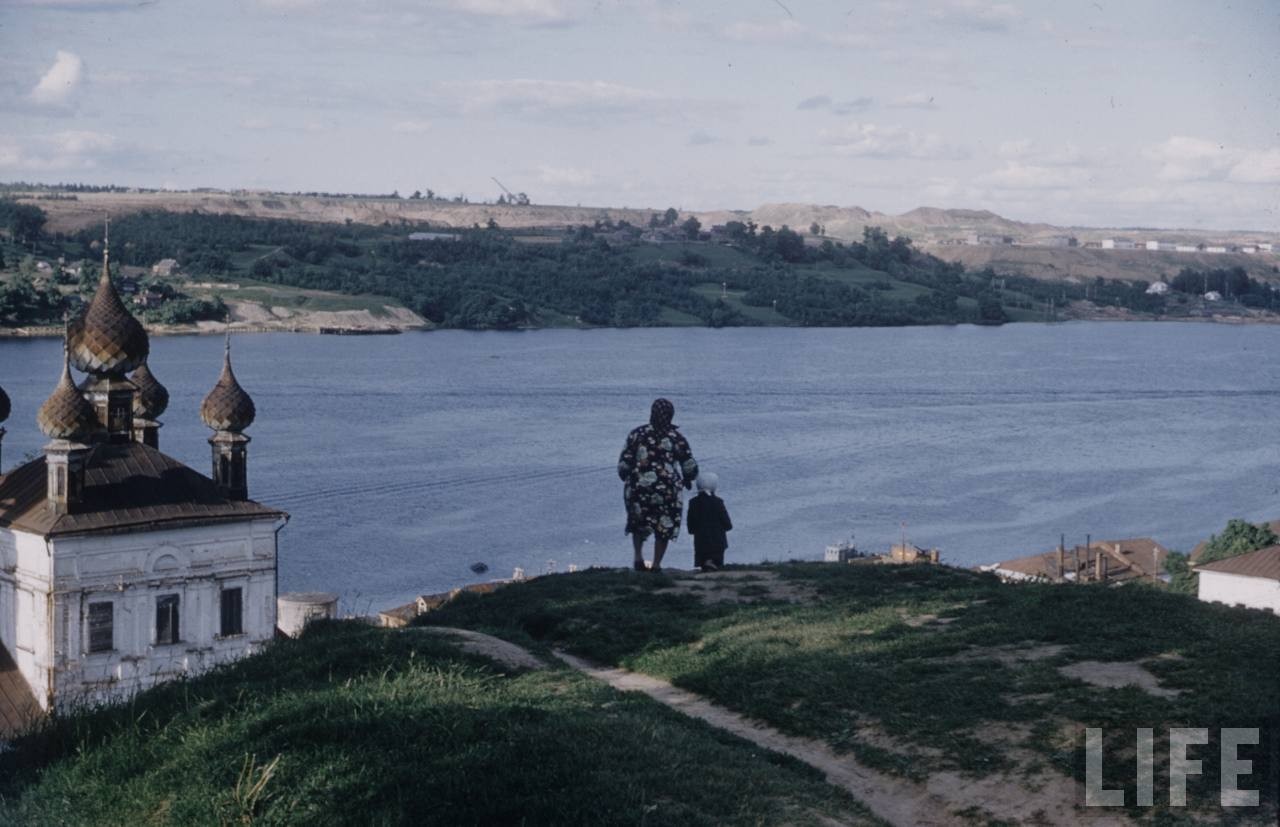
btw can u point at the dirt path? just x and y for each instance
(478, 643)
(896, 800)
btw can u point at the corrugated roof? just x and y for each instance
(1138, 557)
(128, 487)
(1264, 562)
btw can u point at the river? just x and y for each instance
(405, 459)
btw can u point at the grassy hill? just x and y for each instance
(942, 681)
(358, 725)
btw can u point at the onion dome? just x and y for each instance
(227, 407)
(151, 398)
(66, 414)
(5, 407)
(106, 338)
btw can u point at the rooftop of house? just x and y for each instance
(1126, 560)
(1264, 562)
(128, 487)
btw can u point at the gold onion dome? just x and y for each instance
(106, 338)
(66, 414)
(227, 407)
(151, 398)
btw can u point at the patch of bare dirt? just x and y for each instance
(1116, 674)
(254, 316)
(1009, 654)
(738, 587)
(495, 649)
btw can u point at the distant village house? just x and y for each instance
(1251, 580)
(164, 267)
(1106, 561)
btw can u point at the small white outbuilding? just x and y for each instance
(1251, 580)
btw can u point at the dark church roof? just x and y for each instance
(128, 487)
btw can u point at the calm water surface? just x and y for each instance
(404, 459)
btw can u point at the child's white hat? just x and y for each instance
(708, 482)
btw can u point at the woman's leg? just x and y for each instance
(637, 543)
(659, 549)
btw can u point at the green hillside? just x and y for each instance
(937, 682)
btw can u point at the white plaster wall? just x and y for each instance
(1232, 589)
(25, 586)
(132, 570)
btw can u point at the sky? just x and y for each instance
(1155, 114)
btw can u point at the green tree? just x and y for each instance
(990, 311)
(691, 227)
(670, 217)
(24, 222)
(1239, 537)
(1182, 578)
(815, 228)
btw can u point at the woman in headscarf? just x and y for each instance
(655, 462)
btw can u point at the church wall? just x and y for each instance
(25, 585)
(133, 572)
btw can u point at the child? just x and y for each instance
(708, 521)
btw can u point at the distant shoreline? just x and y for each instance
(218, 329)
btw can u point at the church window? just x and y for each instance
(232, 612)
(167, 619)
(101, 626)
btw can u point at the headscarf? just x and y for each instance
(708, 481)
(661, 414)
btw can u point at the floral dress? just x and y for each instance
(652, 466)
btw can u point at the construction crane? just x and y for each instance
(512, 198)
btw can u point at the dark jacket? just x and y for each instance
(708, 521)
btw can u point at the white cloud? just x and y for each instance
(59, 83)
(529, 97)
(977, 14)
(565, 176)
(255, 124)
(1257, 167)
(1028, 151)
(788, 31)
(411, 127)
(867, 140)
(543, 11)
(1186, 159)
(83, 142)
(61, 151)
(759, 140)
(919, 100)
(76, 5)
(701, 138)
(1017, 175)
(1191, 159)
(771, 31)
(852, 105)
(815, 102)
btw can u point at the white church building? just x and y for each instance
(120, 567)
